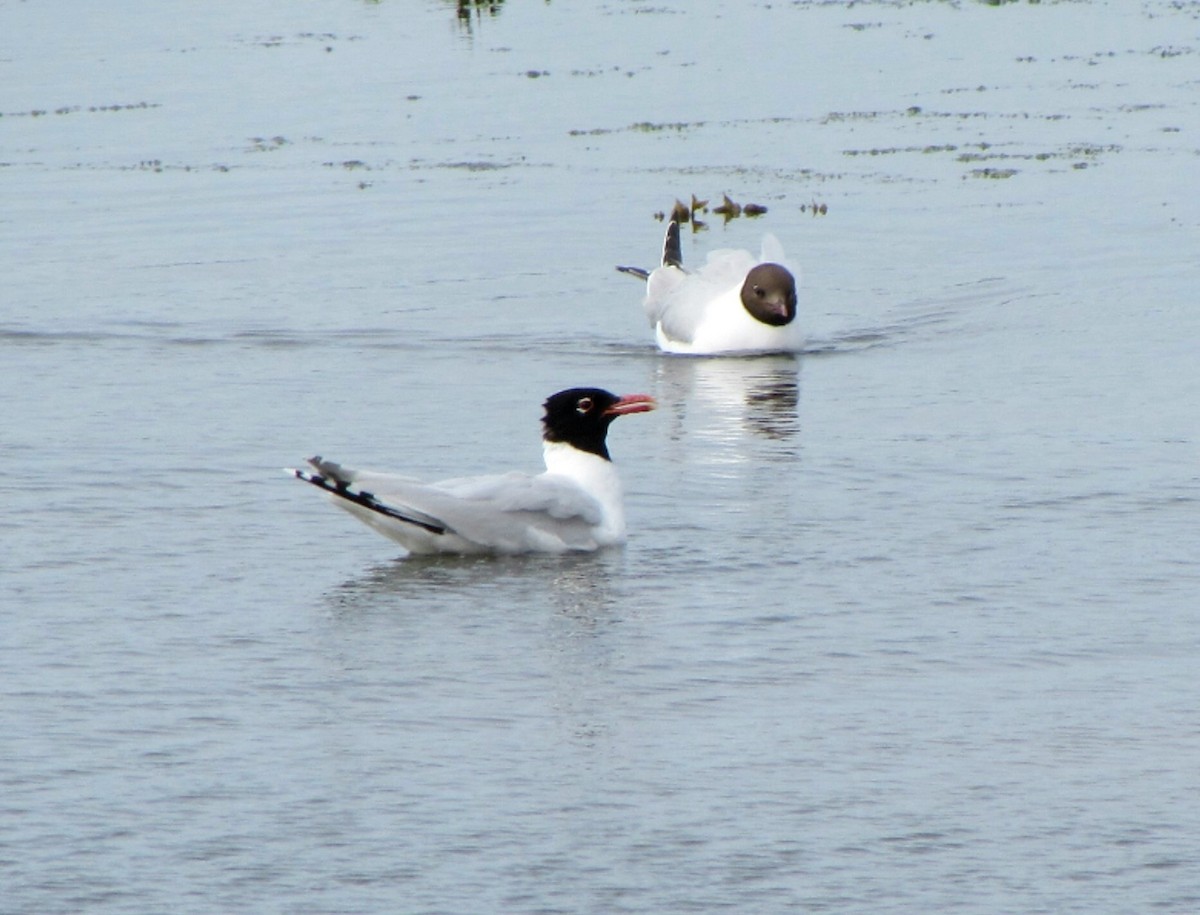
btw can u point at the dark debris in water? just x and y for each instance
(992, 172)
(727, 209)
(470, 13)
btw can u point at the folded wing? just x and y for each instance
(510, 513)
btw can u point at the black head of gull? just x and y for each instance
(581, 416)
(769, 294)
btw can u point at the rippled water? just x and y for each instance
(905, 624)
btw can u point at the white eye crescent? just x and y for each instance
(583, 405)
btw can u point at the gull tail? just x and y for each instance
(672, 254)
(338, 482)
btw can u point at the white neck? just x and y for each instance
(595, 476)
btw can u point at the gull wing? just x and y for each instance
(509, 513)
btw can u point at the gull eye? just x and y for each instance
(583, 405)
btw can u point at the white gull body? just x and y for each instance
(702, 312)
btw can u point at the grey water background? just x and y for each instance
(906, 624)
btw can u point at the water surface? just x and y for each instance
(905, 624)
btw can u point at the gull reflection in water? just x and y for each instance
(723, 399)
(575, 585)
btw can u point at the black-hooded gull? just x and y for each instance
(575, 505)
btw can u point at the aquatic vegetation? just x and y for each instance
(893, 150)
(649, 127)
(639, 127)
(76, 109)
(264, 144)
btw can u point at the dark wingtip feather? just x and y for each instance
(635, 271)
(672, 255)
(340, 488)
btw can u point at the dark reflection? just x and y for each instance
(773, 403)
(471, 12)
(760, 395)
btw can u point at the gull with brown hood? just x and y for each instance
(735, 303)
